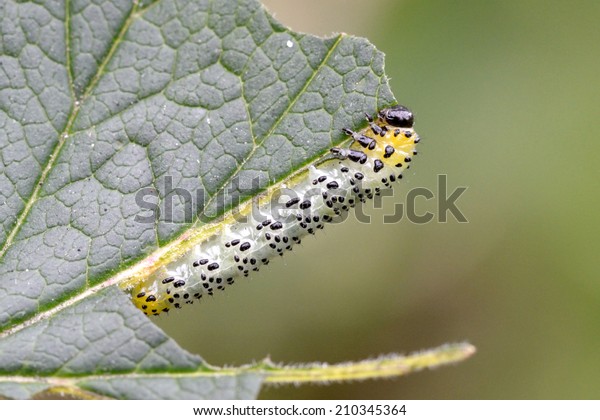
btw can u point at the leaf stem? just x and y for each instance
(381, 367)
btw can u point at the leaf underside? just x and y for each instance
(102, 98)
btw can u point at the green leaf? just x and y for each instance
(100, 99)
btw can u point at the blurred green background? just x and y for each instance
(507, 99)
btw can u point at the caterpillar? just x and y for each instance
(314, 197)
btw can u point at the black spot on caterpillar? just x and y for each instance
(230, 248)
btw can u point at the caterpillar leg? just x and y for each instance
(365, 141)
(352, 154)
(377, 129)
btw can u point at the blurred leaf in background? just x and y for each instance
(506, 99)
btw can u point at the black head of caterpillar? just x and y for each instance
(229, 249)
(397, 116)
